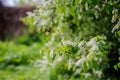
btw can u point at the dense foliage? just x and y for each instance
(74, 50)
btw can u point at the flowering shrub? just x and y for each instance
(83, 36)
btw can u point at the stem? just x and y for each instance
(73, 2)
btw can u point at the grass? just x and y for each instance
(17, 61)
